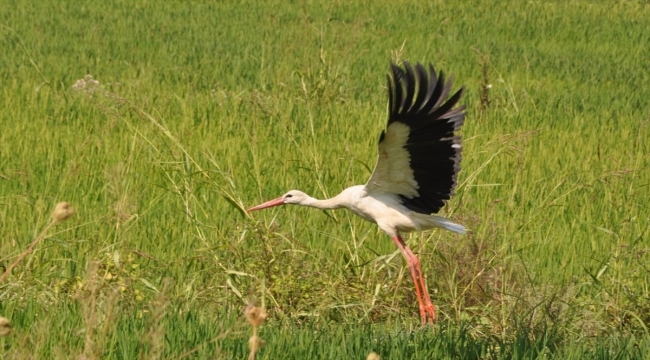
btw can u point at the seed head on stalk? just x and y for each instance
(62, 211)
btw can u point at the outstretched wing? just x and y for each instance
(419, 154)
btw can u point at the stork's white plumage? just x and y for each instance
(419, 156)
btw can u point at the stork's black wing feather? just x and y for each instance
(419, 153)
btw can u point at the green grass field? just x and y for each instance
(197, 110)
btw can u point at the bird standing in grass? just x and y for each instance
(419, 157)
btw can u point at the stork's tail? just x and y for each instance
(451, 226)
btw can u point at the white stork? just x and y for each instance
(419, 156)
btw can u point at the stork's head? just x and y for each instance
(292, 197)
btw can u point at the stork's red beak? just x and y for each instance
(268, 204)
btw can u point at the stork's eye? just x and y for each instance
(288, 196)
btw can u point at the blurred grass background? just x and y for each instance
(202, 108)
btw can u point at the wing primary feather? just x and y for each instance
(436, 91)
(409, 84)
(391, 97)
(427, 104)
(397, 80)
(445, 91)
(423, 87)
(442, 110)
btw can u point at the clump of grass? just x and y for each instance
(99, 312)
(154, 336)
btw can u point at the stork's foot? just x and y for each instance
(427, 313)
(430, 312)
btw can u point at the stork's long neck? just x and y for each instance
(345, 199)
(327, 204)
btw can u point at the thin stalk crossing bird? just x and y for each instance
(419, 157)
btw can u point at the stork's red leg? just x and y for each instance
(418, 292)
(426, 307)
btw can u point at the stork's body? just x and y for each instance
(385, 210)
(419, 156)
